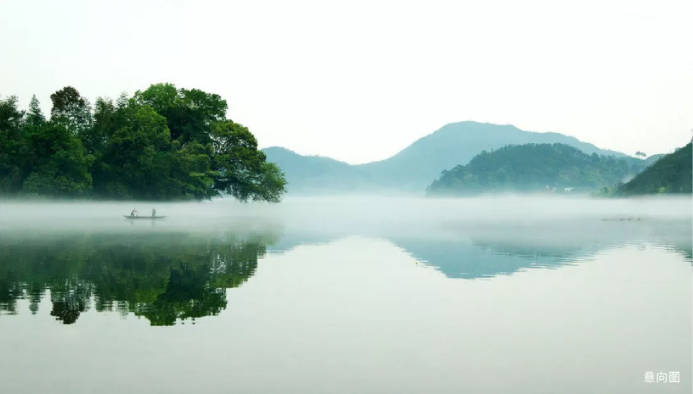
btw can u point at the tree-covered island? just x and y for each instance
(163, 143)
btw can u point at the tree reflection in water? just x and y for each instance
(164, 277)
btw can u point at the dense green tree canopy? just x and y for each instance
(11, 147)
(162, 143)
(532, 167)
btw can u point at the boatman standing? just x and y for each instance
(153, 212)
(134, 211)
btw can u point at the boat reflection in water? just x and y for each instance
(131, 217)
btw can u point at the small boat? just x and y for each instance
(143, 217)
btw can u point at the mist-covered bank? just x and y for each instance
(539, 223)
(354, 212)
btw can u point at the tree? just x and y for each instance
(71, 110)
(191, 171)
(34, 116)
(96, 137)
(134, 159)
(122, 101)
(242, 168)
(11, 145)
(189, 113)
(161, 144)
(59, 164)
(10, 116)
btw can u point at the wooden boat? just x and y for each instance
(143, 217)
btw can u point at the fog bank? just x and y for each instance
(339, 214)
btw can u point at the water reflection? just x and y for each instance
(467, 258)
(486, 251)
(174, 276)
(164, 277)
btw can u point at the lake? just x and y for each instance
(348, 295)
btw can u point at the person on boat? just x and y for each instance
(132, 214)
(153, 212)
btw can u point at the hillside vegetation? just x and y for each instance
(530, 168)
(670, 174)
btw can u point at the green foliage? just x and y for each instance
(162, 144)
(10, 116)
(11, 145)
(34, 116)
(136, 155)
(190, 113)
(670, 174)
(71, 110)
(59, 165)
(241, 167)
(532, 167)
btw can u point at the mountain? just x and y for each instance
(317, 174)
(413, 168)
(639, 165)
(532, 167)
(457, 143)
(670, 174)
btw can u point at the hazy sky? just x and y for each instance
(358, 81)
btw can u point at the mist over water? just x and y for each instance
(390, 294)
(350, 214)
(531, 221)
(431, 230)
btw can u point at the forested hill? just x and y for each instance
(163, 143)
(532, 167)
(670, 174)
(456, 144)
(413, 168)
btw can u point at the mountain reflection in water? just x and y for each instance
(172, 276)
(483, 251)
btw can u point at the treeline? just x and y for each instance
(532, 167)
(163, 143)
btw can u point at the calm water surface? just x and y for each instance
(270, 303)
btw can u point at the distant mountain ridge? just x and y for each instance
(532, 168)
(317, 174)
(416, 166)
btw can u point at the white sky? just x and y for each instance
(360, 80)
